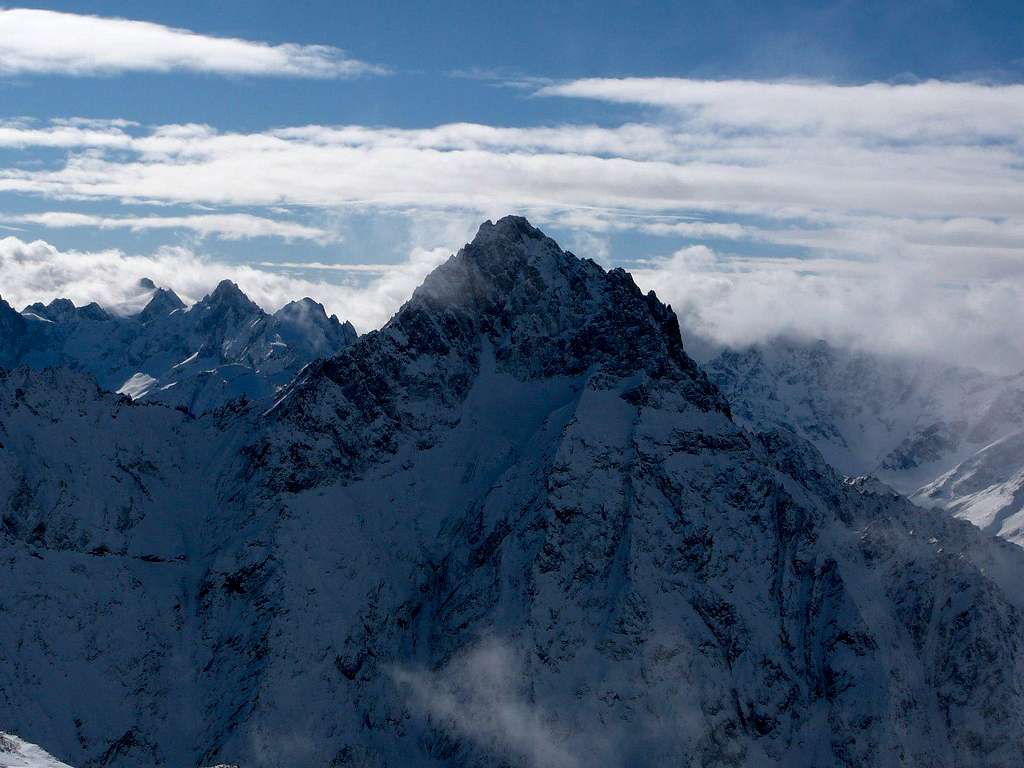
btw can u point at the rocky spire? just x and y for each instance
(162, 303)
(511, 301)
(13, 333)
(227, 295)
(546, 311)
(305, 322)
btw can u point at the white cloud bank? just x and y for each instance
(894, 307)
(37, 271)
(50, 42)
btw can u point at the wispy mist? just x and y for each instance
(479, 696)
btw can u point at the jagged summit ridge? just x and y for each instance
(228, 294)
(223, 347)
(510, 303)
(545, 310)
(162, 302)
(549, 311)
(65, 311)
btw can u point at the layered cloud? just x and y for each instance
(895, 211)
(645, 168)
(49, 42)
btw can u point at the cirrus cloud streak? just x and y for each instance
(49, 42)
(226, 226)
(931, 110)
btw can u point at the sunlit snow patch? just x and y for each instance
(38, 318)
(188, 359)
(137, 386)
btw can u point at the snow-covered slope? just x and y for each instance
(18, 753)
(15, 753)
(199, 357)
(908, 421)
(518, 525)
(987, 488)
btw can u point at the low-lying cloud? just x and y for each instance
(478, 696)
(38, 271)
(906, 308)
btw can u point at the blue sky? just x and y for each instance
(425, 42)
(846, 170)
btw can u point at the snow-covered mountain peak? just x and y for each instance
(65, 311)
(303, 307)
(13, 334)
(502, 258)
(306, 323)
(9, 316)
(57, 311)
(305, 311)
(507, 227)
(545, 310)
(161, 303)
(510, 307)
(227, 296)
(224, 347)
(224, 316)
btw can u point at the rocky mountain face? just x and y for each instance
(199, 357)
(518, 526)
(926, 429)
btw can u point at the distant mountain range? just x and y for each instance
(942, 434)
(198, 357)
(518, 525)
